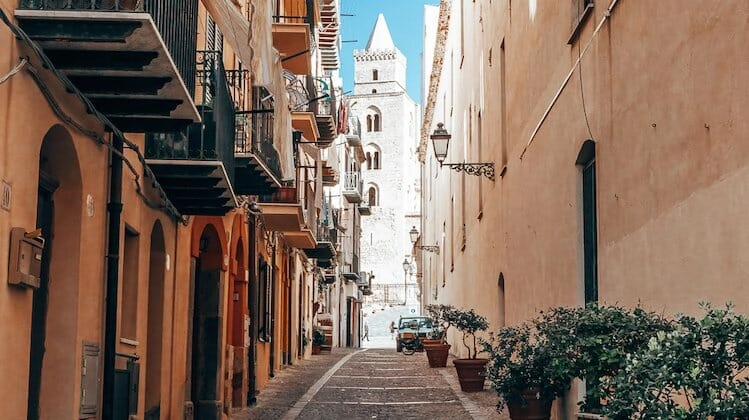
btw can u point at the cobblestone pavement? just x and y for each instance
(369, 384)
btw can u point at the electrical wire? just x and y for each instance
(166, 206)
(14, 71)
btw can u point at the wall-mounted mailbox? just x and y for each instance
(25, 262)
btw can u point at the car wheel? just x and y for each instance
(398, 346)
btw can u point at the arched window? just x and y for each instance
(374, 90)
(369, 123)
(376, 160)
(369, 160)
(374, 75)
(377, 126)
(372, 197)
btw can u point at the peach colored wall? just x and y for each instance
(663, 87)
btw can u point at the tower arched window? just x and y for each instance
(377, 125)
(374, 90)
(372, 197)
(369, 160)
(369, 123)
(376, 160)
(375, 75)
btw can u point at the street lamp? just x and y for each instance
(440, 142)
(406, 267)
(414, 234)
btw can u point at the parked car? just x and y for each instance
(411, 326)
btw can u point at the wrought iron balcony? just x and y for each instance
(324, 108)
(352, 187)
(329, 34)
(353, 134)
(293, 25)
(364, 209)
(133, 60)
(258, 163)
(196, 168)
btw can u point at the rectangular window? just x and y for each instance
(590, 232)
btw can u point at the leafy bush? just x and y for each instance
(318, 336)
(469, 323)
(696, 371)
(442, 315)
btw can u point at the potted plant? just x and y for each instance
(593, 342)
(696, 371)
(535, 362)
(525, 372)
(470, 370)
(318, 339)
(436, 347)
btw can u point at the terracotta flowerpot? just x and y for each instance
(534, 409)
(471, 374)
(437, 354)
(427, 341)
(315, 349)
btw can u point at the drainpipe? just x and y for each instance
(114, 207)
(254, 316)
(272, 332)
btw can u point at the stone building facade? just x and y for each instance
(390, 122)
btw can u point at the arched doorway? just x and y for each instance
(206, 326)
(237, 325)
(53, 354)
(156, 271)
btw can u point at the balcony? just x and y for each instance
(353, 136)
(330, 174)
(293, 26)
(302, 118)
(282, 211)
(135, 64)
(364, 209)
(323, 106)
(352, 187)
(195, 169)
(324, 251)
(257, 161)
(328, 35)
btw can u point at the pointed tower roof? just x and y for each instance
(380, 38)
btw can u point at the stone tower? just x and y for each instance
(390, 122)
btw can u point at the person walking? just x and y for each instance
(366, 332)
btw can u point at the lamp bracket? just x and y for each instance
(485, 168)
(430, 248)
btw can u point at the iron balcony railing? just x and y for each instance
(325, 95)
(254, 132)
(300, 11)
(353, 182)
(214, 138)
(176, 20)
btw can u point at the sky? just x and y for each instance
(405, 19)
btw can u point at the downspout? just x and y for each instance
(272, 332)
(253, 306)
(289, 305)
(114, 207)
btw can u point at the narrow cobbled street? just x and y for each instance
(369, 384)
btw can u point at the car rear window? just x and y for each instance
(413, 322)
